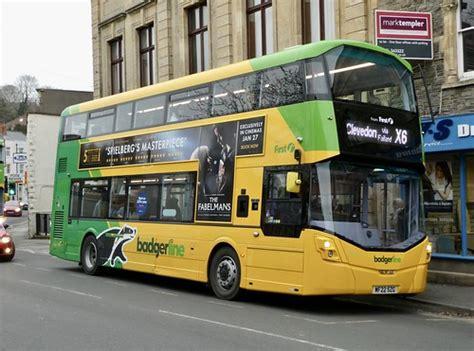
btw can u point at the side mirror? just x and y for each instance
(293, 182)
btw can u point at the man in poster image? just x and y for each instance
(215, 163)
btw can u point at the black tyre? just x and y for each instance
(90, 255)
(224, 274)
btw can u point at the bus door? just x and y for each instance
(275, 258)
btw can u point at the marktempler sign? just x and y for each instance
(407, 34)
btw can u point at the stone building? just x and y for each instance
(142, 42)
(41, 145)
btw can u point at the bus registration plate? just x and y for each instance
(384, 289)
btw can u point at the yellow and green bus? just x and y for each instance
(297, 172)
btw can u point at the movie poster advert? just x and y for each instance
(438, 187)
(214, 146)
(216, 154)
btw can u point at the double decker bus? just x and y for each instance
(297, 172)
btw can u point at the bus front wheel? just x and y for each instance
(90, 255)
(224, 274)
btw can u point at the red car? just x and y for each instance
(12, 208)
(7, 247)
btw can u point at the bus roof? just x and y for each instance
(289, 55)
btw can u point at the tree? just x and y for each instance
(27, 86)
(10, 94)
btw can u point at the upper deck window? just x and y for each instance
(150, 112)
(282, 86)
(189, 104)
(124, 117)
(101, 122)
(369, 77)
(75, 127)
(235, 95)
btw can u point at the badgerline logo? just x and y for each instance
(386, 260)
(158, 248)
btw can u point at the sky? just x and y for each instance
(49, 39)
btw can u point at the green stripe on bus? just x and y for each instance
(315, 122)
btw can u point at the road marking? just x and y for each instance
(251, 330)
(451, 319)
(41, 251)
(330, 323)
(224, 304)
(164, 292)
(61, 289)
(43, 269)
(26, 250)
(116, 283)
(19, 264)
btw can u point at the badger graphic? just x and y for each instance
(111, 242)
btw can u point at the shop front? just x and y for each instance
(448, 185)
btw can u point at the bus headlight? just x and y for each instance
(327, 248)
(429, 248)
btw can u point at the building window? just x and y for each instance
(198, 21)
(313, 20)
(147, 52)
(466, 38)
(259, 28)
(116, 65)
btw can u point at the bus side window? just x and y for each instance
(189, 104)
(282, 85)
(150, 112)
(75, 200)
(316, 80)
(124, 117)
(75, 127)
(235, 95)
(177, 197)
(95, 198)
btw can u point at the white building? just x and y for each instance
(16, 167)
(42, 139)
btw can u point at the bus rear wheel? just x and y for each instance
(90, 255)
(224, 274)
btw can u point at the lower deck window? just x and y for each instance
(159, 197)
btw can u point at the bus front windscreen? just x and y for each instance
(375, 208)
(370, 77)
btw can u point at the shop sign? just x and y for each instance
(14, 177)
(407, 34)
(19, 158)
(449, 134)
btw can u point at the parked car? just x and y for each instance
(24, 206)
(12, 208)
(7, 246)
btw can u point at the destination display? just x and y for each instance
(214, 146)
(378, 132)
